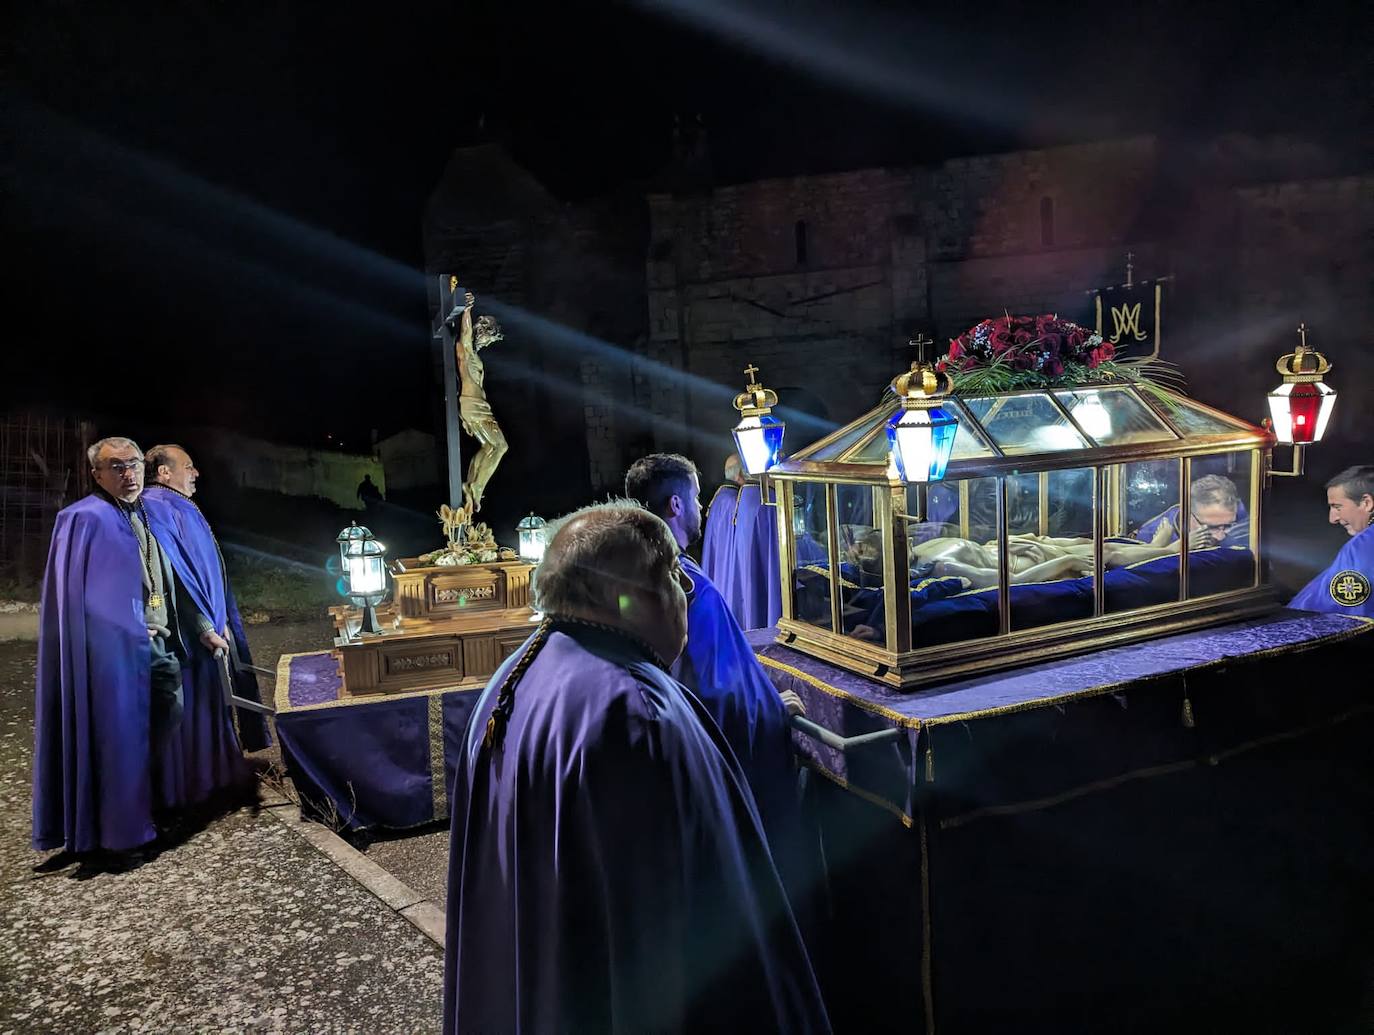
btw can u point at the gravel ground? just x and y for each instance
(234, 924)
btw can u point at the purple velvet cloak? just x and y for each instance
(1344, 587)
(191, 549)
(718, 535)
(607, 869)
(91, 776)
(756, 596)
(722, 670)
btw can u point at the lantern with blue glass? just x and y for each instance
(365, 571)
(533, 539)
(758, 435)
(921, 434)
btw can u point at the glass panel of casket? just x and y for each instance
(956, 529)
(1140, 499)
(1051, 581)
(1221, 546)
(1025, 423)
(862, 587)
(810, 561)
(1114, 416)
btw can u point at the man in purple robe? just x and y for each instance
(718, 539)
(1344, 587)
(607, 868)
(721, 669)
(111, 643)
(212, 737)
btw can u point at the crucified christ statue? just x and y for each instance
(473, 409)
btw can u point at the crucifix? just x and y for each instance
(445, 329)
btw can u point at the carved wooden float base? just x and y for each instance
(446, 626)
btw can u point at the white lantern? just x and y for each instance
(921, 434)
(532, 538)
(758, 435)
(365, 571)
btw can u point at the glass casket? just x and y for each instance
(1055, 530)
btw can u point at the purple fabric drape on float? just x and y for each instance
(368, 762)
(92, 784)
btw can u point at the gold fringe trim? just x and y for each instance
(438, 781)
(927, 937)
(859, 792)
(873, 709)
(1362, 625)
(826, 572)
(282, 690)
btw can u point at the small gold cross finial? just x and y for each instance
(920, 342)
(1302, 332)
(1130, 269)
(750, 371)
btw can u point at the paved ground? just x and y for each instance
(237, 924)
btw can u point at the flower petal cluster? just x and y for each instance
(1044, 345)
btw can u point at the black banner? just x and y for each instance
(1128, 316)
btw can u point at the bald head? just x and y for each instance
(616, 563)
(734, 470)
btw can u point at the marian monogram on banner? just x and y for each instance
(1128, 315)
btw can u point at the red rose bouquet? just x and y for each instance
(1008, 353)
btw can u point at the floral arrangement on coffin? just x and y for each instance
(1008, 353)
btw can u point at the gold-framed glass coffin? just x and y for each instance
(1055, 530)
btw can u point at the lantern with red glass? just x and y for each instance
(1302, 405)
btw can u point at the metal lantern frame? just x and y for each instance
(363, 556)
(1300, 407)
(921, 434)
(758, 435)
(533, 538)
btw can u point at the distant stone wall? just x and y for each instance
(289, 470)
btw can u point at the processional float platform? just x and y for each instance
(447, 626)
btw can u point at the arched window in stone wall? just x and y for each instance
(799, 233)
(1046, 222)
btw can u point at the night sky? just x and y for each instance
(217, 207)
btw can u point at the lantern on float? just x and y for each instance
(921, 434)
(365, 571)
(1301, 407)
(533, 540)
(758, 435)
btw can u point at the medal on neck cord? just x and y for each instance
(154, 597)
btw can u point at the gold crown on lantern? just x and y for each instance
(1303, 365)
(755, 400)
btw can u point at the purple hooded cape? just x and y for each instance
(1344, 587)
(756, 595)
(92, 786)
(718, 535)
(722, 670)
(194, 554)
(607, 870)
